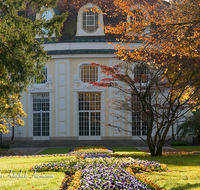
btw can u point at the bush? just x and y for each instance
(178, 144)
(5, 146)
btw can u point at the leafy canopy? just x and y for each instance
(22, 57)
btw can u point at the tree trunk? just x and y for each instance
(159, 150)
(151, 149)
(155, 151)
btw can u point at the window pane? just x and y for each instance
(41, 109)
(141, 73)
(139, 121)
(89, 73)
(89, 114)
(90, 21)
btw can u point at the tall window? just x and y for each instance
(140, 121)
(141, 73)
(44, 72)
(89, 114)
(41, 114)
(89, 73)
(90, 21)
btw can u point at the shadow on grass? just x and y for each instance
(124, 149)
(187, 186)
(55, 151)
(176, 160)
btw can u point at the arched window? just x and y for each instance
(141, 73)
(89, 73)
(44, 72)
(90, 21)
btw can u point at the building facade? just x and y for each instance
(64, 106)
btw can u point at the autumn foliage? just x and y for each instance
(159, 80)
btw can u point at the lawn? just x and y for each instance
(55, 151)
(130, 151)
(29, 182)
(184, 170)
(188, 148)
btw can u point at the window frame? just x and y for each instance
(45, 31)
(141, 128)
(146, 72)
(100, 29)
(88, 106)
(89, 75)
(95, 21)
(79, 73)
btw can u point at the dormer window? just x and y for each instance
(90, 21)
(47, 15)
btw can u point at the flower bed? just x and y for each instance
(90, 150)
(95, 170)
(108, 177)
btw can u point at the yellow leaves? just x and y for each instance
(12, 114)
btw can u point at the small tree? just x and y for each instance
(159, 79)
(12, 113)
(153, 95)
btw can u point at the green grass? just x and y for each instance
(55, 151)
(188, 148)
(24, 164)
(184, 172)
(184, 169)
(128, 150)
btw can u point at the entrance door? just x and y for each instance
(89, 115)
(41, 116)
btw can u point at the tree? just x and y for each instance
(22, 57)
(159, 80)
(13, 113)
(191, 126)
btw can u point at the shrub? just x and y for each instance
(5, 146)
(178, 144)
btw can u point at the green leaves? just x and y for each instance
(21, 55)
